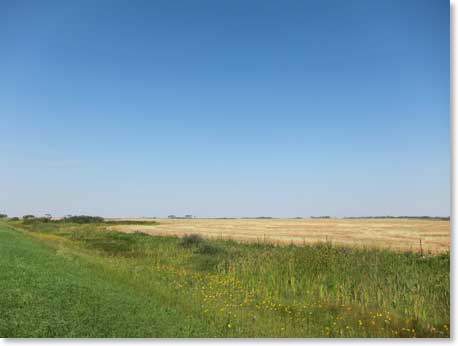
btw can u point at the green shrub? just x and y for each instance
(36, 220)
(83, 219)
(191, 240)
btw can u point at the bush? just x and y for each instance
(28, 217)
(191, 240)
(3, 216)
(83, 219)
(200, 245)
(14, 218)
(36, 220)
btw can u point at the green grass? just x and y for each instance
(49, 291)
(80, 280)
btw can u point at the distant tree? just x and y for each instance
(172, 217)
(3, 216)
(48, 216)
(14, 219)
(29, 216)
(188, 216)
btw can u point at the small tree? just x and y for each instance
(29, 216)
(3, 216)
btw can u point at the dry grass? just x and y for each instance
(396, 234)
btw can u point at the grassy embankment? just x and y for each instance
(63, 279)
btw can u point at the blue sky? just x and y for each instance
(225, 108)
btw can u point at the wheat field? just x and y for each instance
(396, 234)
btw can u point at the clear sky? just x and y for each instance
(225, 108)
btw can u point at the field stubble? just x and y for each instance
(396, 234)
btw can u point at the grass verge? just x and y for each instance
(64, 279)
